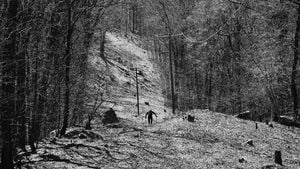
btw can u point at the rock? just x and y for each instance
(140, 73)
(109, 117)
(242, 160)
(244, 115)
(189, 118)
(250, 142)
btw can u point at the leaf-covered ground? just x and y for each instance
(214, 140)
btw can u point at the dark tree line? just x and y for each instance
(44, 67)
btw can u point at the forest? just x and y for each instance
(59, 64)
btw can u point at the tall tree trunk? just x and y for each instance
(20, 102)
(67, 72)
(294, 68)
(133, 18)
(34, 116)
(171, 73)
(8, 85)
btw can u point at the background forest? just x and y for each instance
(224, 55)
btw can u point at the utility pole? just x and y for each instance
(137, 91)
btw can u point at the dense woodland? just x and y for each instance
(228, 56)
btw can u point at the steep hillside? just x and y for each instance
(123, 55)
(214, 140)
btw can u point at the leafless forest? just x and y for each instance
(149, 84)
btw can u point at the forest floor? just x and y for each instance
(214, 140)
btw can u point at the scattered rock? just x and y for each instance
(189, 118)
(140, 73)
(250, 142)
(271, 125)
(147, 103)
(242, 160)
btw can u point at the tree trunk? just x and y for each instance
(67, 72)
(294, 68)
(8, 85)
(171, 74)
(21, 91)
(133, 18)
(34, 117)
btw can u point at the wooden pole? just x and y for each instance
(137, 91)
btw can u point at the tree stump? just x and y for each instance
(277, 156)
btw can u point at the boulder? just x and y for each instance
(109, 117)
(244, 115)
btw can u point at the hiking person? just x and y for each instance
(150, 118)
